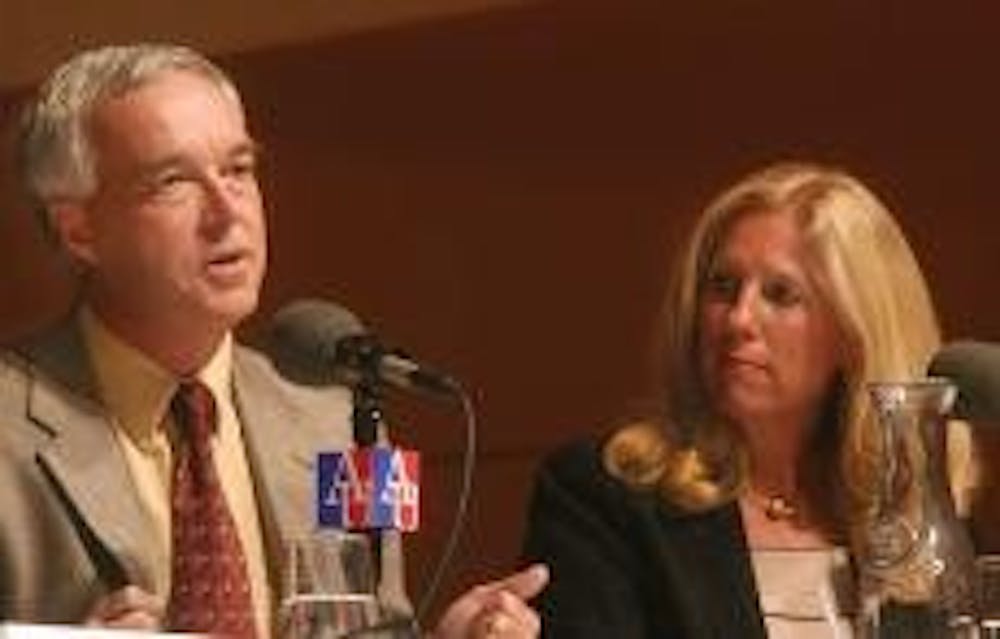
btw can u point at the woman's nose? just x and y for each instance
(742, 313)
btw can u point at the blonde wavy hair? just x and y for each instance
(869, 277)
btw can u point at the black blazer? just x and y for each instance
(626, 565)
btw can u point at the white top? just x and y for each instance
(805, 594)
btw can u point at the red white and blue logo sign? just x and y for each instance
(368, 489)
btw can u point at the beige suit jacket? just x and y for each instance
(71, 525)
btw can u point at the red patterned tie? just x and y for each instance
(210, 587)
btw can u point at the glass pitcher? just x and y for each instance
(916, 562)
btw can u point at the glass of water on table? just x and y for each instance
(328, 587)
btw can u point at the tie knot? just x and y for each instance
(193, 408)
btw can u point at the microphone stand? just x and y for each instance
(366, 418)
(366, 414)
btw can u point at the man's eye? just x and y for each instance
(165, 185)
(242, 167)
(170, 179)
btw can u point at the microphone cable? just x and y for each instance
(460, 519)
(410, 626)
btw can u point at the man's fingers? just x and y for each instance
(523, 616)
(526, 583)
(496, 610)
(130, 607)
(506, 616)
(134, 620)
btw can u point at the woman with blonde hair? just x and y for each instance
(733, 514)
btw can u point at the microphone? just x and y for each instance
(318, 342)
(370, 486)
(365, 487)
(974, 367)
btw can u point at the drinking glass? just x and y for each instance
(328, 587)
(988, 574)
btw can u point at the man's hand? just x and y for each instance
(128, 607)
(496, 610)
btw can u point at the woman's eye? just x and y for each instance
(722, 286)
(782, 293)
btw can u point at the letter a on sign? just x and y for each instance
(340, 491)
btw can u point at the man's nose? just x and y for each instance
(220, 203)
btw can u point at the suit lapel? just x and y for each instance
(280, 450)
(715, 561)
(83, 459)
(733, 563)
(283, 436)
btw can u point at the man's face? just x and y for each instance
(174, 236)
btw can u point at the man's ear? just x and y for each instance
(72, 224)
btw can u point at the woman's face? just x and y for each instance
(768, 343)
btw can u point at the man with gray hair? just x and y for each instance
(150, 466)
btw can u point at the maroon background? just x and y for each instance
(502, 194)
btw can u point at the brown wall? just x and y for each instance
(501, 194)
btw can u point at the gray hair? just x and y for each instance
(54, 152)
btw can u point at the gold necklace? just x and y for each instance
(774, 506)
(778, 508)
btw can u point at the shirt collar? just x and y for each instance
(136, 390)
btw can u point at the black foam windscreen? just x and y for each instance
(974, 367)
(304, 337)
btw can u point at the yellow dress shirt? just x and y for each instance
(137, 392)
